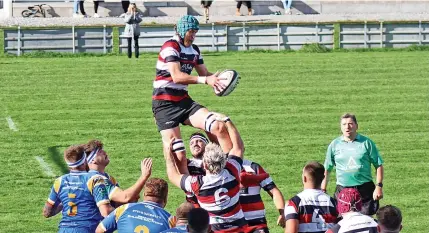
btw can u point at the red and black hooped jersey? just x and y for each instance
(219, 195)
(314, 209)
(250, 196)
(174, 51)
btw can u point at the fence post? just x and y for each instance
(420, 32)
(73, 40)
(381, 34)
(213, 36)
(19, 40)
(104, 40)
(365, 35)
(317, 33)
(2, 43)
(337, 35)
(244, 36)
(278, 36)
(226, 37)
(115, 40)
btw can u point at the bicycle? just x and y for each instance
(34, 11)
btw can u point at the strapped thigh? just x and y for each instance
(209, 121)
(178, 145)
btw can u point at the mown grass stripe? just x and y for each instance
(286, 109)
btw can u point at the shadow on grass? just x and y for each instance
(57, 157)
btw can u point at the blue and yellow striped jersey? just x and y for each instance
(111, 184)
(80, 193)
(143, 217)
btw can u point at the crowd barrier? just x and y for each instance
(220, 37)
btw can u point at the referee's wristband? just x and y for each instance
(202, 80)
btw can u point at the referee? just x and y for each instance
(352, 155)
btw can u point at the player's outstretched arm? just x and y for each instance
(237, 142)
(171, 162)
(131, 194)
(183, 78)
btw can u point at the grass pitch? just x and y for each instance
(287, 108)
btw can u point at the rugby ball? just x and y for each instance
(230, 79)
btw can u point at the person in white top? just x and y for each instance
(348, 206)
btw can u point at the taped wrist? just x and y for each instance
(202, 80)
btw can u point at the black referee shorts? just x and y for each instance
(366, 190)
(169, 114)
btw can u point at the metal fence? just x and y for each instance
(241, 37)
(217, 37)
(380, 35)
(71, 40)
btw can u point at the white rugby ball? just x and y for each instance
(230, 79)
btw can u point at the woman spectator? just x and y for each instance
(132, 28)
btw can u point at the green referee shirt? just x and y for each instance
(352, 160)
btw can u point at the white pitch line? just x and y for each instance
(12, 125)
(45, 167)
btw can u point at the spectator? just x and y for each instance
(206, 5)
(286, 5)
(352, 155)
(125, 5)
(247, 3)
(96, 4)
(349, 206)
(79, 3)
(198, 221)
(389, 219)
(132, 29)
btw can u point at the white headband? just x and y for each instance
(77, 163)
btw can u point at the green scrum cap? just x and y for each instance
(187, 23)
